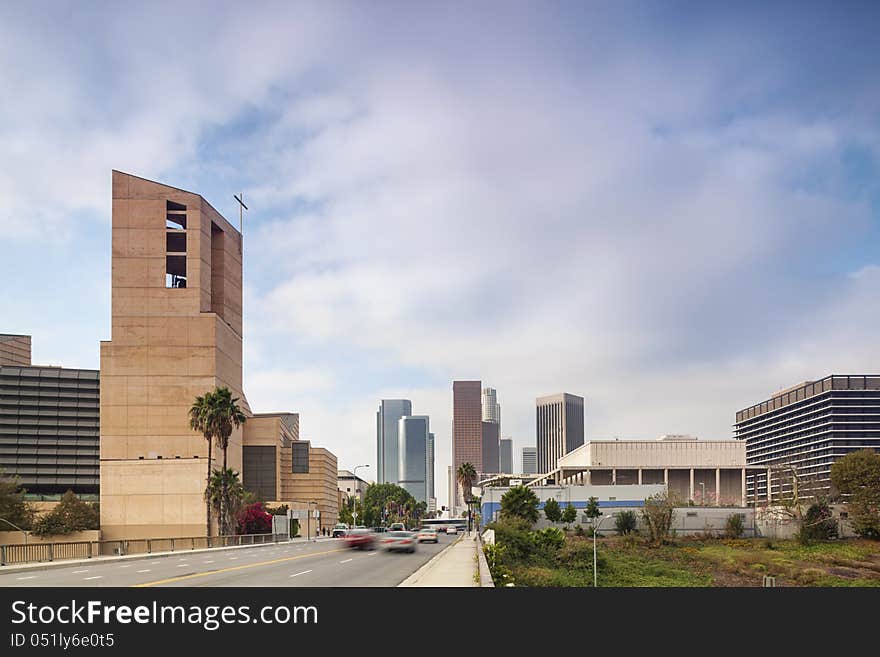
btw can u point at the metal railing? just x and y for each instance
(40, 552)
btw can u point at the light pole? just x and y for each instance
(355, 484)
(23, 531)
(596, 531)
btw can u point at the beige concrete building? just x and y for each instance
(15, 349)
(709, 472)
(175, 333)
(316, 488)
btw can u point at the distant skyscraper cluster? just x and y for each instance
(404, 449)
(559, 428)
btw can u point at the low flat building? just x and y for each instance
(351, 485)
(706, 472)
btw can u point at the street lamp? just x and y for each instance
(596, 531)
(23, 531)
(355, 484)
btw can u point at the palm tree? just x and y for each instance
(466, 476)
(229, 417)
(225, 493)
(203, 419)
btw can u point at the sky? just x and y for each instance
(671, 209)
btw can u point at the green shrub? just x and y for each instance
(548, 541)
(579, 531)
(501, 575)
(735, 526)
(625, 523)
(71, 515)
(513, 533)
(818, 524)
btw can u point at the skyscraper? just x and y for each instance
(505, 456)
(467, 431)
(412, 452)
(560, 427)
(387, 419)
(490, 448)
(529, 460)
(809, 426)
(429, 479)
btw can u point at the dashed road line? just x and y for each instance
(302, 573)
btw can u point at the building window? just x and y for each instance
(175, 245)
(300, 458)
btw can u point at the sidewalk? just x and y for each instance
(453, 567)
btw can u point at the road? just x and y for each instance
(320, 563)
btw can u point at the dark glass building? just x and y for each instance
(808, 427)
(49, 428)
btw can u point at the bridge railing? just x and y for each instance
(39, 552)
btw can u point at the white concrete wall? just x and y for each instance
(657, 454)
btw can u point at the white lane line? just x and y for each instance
(77, 572)
(153, 563)
(182, 565)
(233, 558)
(95, 577)
(209, 561)
(302, 573)
(125, 566)
(146, 570)
(28, 577)
(370, 554)
(345, 561)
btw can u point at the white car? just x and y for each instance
(452, 530)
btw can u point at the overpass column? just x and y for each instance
(691, 489)
(743, 487)
(666, 477)
(589, 477)
(717, 486)
(613, 476)
(640, 476)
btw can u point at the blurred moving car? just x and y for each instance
(451, 529)
(397, 527)
(427, 535)
(380, 530)
(359, 538)
(339, 530)
(399, 540)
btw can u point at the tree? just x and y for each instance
(384, 503)
(819, 523)
(734, 526)
(215, 415)
(346, 513)
(552, 511)
(13, 507)
(466, 475)
(225, 493)
(658, 513)
(857, 477)
(592, 510)
(71, 515)
(520, 502)
(625, 523)
(569, 515)
(253, 519)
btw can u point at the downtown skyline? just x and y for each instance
(693, 224)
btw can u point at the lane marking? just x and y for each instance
(370, 554)
(77, 572)
(28, 577)
(231, 568)
(345, 561)
(209, 561)
(305, 572)
(182, 565)
(125, 566)
(144, 571)
(233, 558)
(95, 577)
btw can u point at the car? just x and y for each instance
(427, 535)
(397, 527)
(399, 540)
(452, 529)
(380, 530)
(359, 538)
(339, 530)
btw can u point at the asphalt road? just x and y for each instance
(321, 563)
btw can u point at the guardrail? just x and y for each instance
(39, 552)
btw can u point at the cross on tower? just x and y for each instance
(240, 225)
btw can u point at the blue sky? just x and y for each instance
(668, 208)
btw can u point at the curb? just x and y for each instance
(50, 565)
(409, 581)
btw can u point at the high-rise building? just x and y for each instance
(490, 406)
(176, 333)
(430, 474)
(529, 461)
(490, 448)
(15, 349)
(505, 456)
(412, 452)
(387, 422)
(560, 427)
(49, 428)
(809, 426)
(467, 430)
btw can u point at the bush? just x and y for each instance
(71, 515)
(818, 524)
(253, 519)
(501, 575)
(625, 523)
(548, 540)
(658, 513)
(513, 533)
(735, 526)
(579, 530)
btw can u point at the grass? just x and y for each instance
(709, 562)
